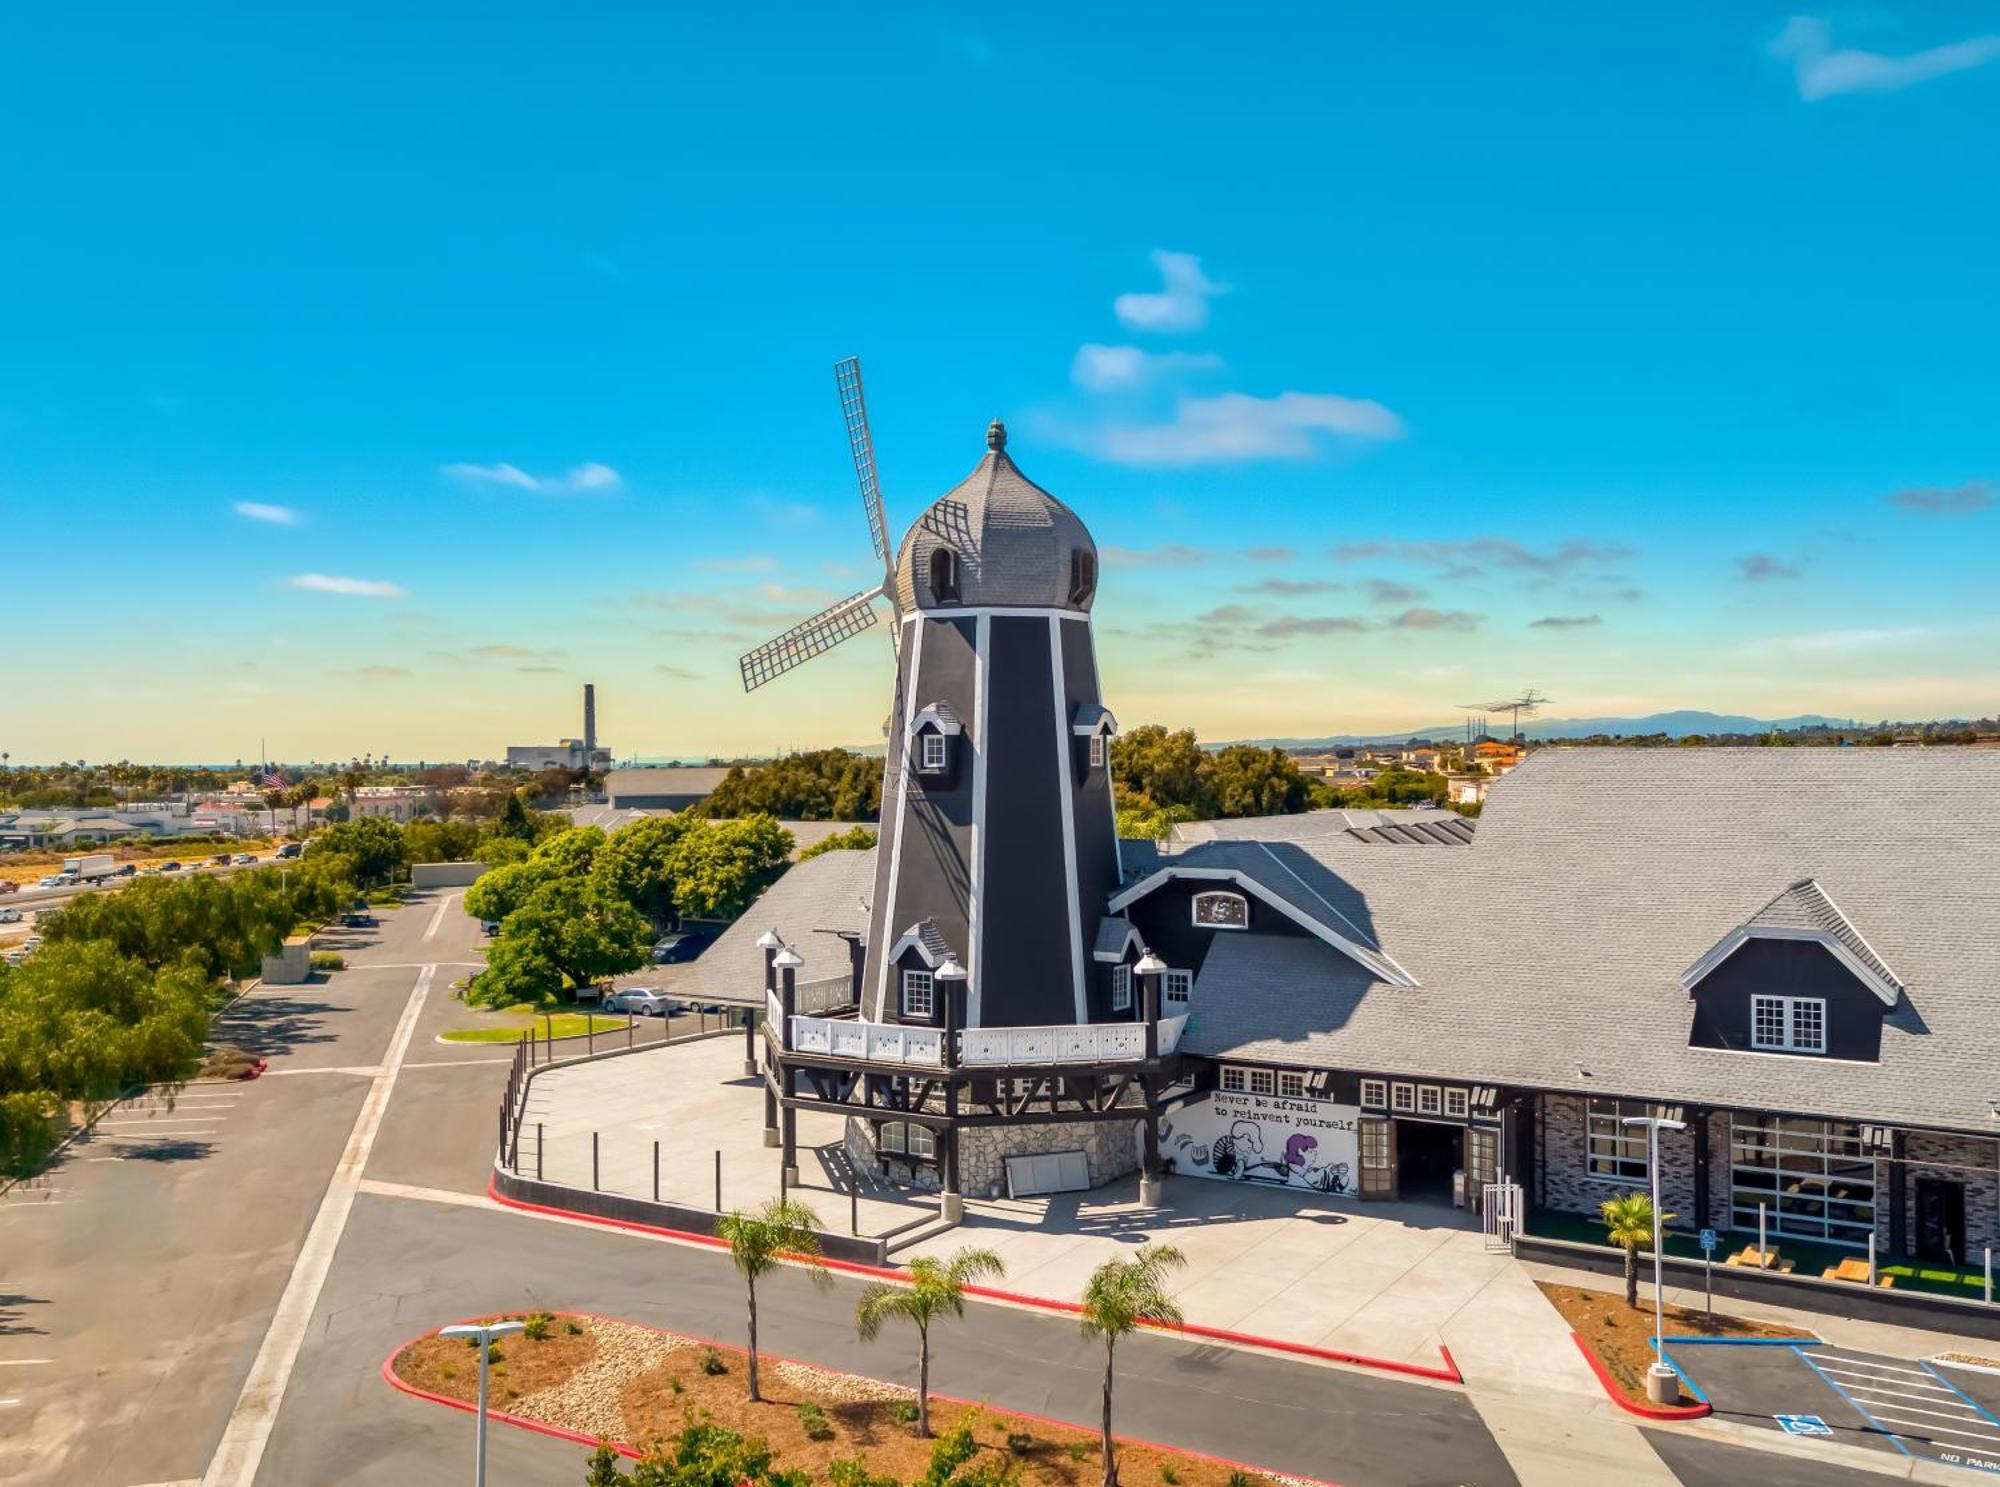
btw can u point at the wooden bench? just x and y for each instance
(1854, 1271)
(1768, 1260)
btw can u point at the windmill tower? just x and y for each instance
(999, 844)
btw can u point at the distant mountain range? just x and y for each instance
(1673, 724)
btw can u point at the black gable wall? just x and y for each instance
(1026, 974)
(1801, 968)
(1096, 821)
(1165, 920)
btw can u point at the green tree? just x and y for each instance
(581, 933)
(1629, 1220)
(375, 845)
(936, 1289)
(1123, 1295)
(1165, 769)
(705, 1454)
(854, 839)
(639, 863)
(720, 866)
(514, 820)
(1248, 781)
(759, 1242)
(822, 785)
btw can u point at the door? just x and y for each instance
(1482, 1162)
(1941, 1221)
(1047, 1172)
(1378, 1158)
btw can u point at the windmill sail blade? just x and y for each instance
(854, 409)
(810, 638)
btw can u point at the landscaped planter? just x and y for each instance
(594, 1378)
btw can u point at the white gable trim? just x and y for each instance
(1104, 724)
(939, 717)
(1371, 960)
(1867, 975)
(1131, 935)
(911, 940)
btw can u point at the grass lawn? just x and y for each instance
(506, 1026)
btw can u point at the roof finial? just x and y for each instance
(996, 435)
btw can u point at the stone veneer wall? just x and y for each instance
(1966, 1159)
(1110, 1151)
(1568, 1186)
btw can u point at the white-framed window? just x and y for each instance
(1121, 988)
(1614, 1151)
(933, 750)
(1812, 1179)
(1374, 1094)
(1403, 1097)
(1788, 1024)
(1175, 989)
(923, 1141)
(1457, 1103)
(1220, 910)
(1291, 1084)
(1097, 751)
(905, 1138)
(1430, 1100)
(919, 994)
(892, 1136)
(1233, 1079)
(1263, 1082)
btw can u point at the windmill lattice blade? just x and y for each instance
(809, 638)
(854, 409)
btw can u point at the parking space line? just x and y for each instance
(1912, 1409)
(1854, 1404)
(1920, 1430)
(1984, 1412)
(1870, 1363)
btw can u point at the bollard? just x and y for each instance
(1761, 1251)
(590, 1034)
(718, 1209)
(538, 1151)
(854, 1204)
(630, 1023)
(593, 1161)
(1989, 1275)
(656, 1171)
(1871, 1257)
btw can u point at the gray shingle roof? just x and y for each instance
(1805, 906)
(1392, 824)
(1548, 952)
(826, 893)
(1013, 539)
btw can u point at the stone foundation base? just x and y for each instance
(1110, 1151)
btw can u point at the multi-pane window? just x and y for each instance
(933, 747)
(1403, 1097)
(1813, 1179)
(1788, 1024)
(1176, 988)
(923, 1141)
(919, 994)
(1263, 1082)
(1097, 751)
(1374, 1144)
(1455, 1103)
(1291, 1084)
(1374, 1093)
(1233, 1079)
(906, 1138)
(1430, 1100)
(1121, 988)
(1616, 1152)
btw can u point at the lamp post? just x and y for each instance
(1661, 1384)
(951, 979)
(1150, 970)
(484, 1334)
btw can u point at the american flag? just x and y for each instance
(273, 780)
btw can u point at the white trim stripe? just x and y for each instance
(900, 782)
(982, 671)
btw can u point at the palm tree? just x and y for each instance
(1630, 1220)
(936, 1289)
(1123, 1295)
(759, 1242)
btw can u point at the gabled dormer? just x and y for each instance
(1797, 978)
(933, 741)
(1092, 727)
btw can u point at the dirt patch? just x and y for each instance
(522, 1368)
(659, 1385)
(1971, 1360)
(1620, 1335)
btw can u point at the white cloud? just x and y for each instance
(358, 588)
(1182, 304)
(1823, 70)
(1236, 426)
(1109, 368)
(279, 516)
(1841, 642)
(583, 479)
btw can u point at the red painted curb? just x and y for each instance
(1647, 1411)
(623, 1449)
(1449, 1374)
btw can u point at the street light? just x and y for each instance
(484, 1333)
(1661, 1387)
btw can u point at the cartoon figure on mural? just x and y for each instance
(1240, 1154)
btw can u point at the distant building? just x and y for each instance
(398, 803)
(667, 787)
(569, 753)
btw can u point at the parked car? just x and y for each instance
(8, 885)
(170, 867)
(289, 851)
(682, 945)
(489, 926)
(220, 859)
(358, 919)
(643, 1001)
(10, 916)
(244, 859)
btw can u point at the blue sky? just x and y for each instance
(370, 380)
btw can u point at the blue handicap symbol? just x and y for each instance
(1709, 1241)
(1803, 1425)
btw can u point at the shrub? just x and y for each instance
(493, 1353)
(1169, 1475)
(572, 1329)
(1076, 1450)
(328, 960)
(712, 1364)
(536, 1328)
(1242, 1479)
(1020, 1442)
(905, 1413)
(813, 1421)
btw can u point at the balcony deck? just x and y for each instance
(1081, 1044)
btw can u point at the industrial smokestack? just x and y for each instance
(589, 718)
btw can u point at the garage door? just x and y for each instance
(1049, 1172)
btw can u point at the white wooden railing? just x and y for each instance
(894, 1043)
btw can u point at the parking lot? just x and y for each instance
(1926, 1411)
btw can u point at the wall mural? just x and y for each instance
(1271, 1139)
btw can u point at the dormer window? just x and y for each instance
(1097, 751)
(1787, 1024)
(1221, 911)
(932, 753)
(944, 575)
(1082, 575)
(930, 734)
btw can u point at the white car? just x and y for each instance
(56, 880)
(643, 1001)
(10, 916)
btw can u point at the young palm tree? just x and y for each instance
(936, 1289)
(1630, 1220)
(759, 1242)
(1123, 1295)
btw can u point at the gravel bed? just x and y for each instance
(1972, 1360)
(590, 1401)
(848, 1388)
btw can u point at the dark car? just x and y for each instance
(220, 859)
(489, 926)
(124, 870)
(8, 885)
(289, 850)
(170, 867)
(357, 919)
(682, 945)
